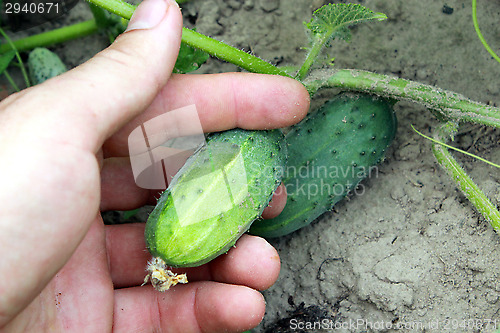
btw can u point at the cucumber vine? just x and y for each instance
(479, 34)
(455, 148)
(473, 193)
(329, 22)
(6, 58)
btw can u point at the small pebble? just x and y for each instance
(234, 4)
(248, 5)
(447, 10)
(269, 5)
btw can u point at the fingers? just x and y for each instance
(277, 203)
(104, 93)
(252, 262)
(127, 254)
(196, 307)
(128, 257)
(245, 100)
(132, 70)
(118, 188)
(120, 192)
(224, 101)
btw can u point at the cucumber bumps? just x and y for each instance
(330, 152)
(43, 65)
(214, 198)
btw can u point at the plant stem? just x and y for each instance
(448, 104)
(101, 16)
(12, 46)
(54, 36)
(311, 57)
(230, 54)
(11, 81)
(456, 149)
(464, 182)
(118, 7)
(479, 34)
(212, 46)
(451, 105)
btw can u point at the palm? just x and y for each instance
(79, 296)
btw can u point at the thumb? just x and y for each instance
(122, 80)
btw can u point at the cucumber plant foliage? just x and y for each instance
(5, 60)
(334, 21)
(189, 59)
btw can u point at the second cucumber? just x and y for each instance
(330, 152)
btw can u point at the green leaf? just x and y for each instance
(189, 59)
(101, 16)
(129, 213)
(334, 20)
(5, 60)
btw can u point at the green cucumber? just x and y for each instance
(43, 65)
(216, 196)
(330, 152)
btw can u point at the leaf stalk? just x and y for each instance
(212, 46)
(475, 195)
(448, 104)
(230, 54)
(53, 37)
(311, 57)
(480, 35)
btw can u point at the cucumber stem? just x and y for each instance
(212, 46)
(52, 37)
(480, 35)
(228, 53)
(456, 149)
(12, 46)
(450, 105)
(311, 57)
(118, 7)
(463, 181)
(11, 81)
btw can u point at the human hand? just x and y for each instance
(64, 159)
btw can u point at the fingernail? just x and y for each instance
(149, 14)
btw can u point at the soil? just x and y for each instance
(409, 251)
